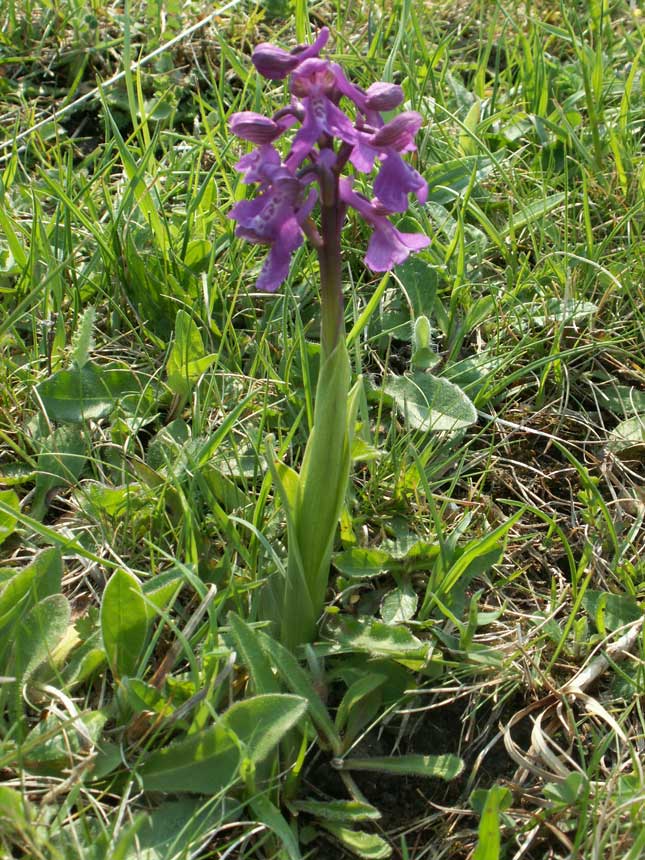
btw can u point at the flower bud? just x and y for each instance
(398, 133)
(275, 63)
(383, 96)
(254, 127)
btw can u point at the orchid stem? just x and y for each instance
(331, 275)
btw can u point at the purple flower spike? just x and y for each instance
(381, 96)
(399, 133)
(276, 63)
(324, 144)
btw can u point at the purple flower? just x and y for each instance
(397, 179)
(388, 246)
(399, 133)
(275, 218)
(259, 165)
(257, 128)
(382, 96)
(326, 140)
(275, 63)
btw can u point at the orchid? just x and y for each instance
(328, 142)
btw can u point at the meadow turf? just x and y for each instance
(478, 683)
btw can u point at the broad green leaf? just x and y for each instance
(448, 179)
(338, 810)
(7, 522)
(569, 791)
(187, 360)
(399, 605)
(14, 809)
(622, 399)
(467, 143)
(442, 766)
(611, 611)
(55, 744)
(380, 640)
(203, 763)
(91, 392)
(268, 814)
(208, 761)
(38, 580)
(173, 828)
(419, 281)
(355, 694)
(124, 622)
(38, 634)
(429, 402)
(250, 651)
(629, 435)
(362, 563)
(60, 464)
(367, 845)
(298, 681)
(261, 722)
(563, 311)
(160, 590)
(83, 340)
(198, 252)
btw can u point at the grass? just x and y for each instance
(487, 594)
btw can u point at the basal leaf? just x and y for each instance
(362, 563)
(250, 651)
(7, 522)
(379, 640)
(299, 682)
(338, 810)
(38, 580)
(489, 835)
(442, 766)
(208, 761)
(38, 634)
(89, 393)
(187, 360)
(60, 464)
(399, 605)
(367, 845)
(270, 815)
(261, 722)
(203, 763)
(429, 402)
(124, 622)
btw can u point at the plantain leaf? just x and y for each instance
(429, 402)
(442, 766)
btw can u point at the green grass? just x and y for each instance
(140, 375)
